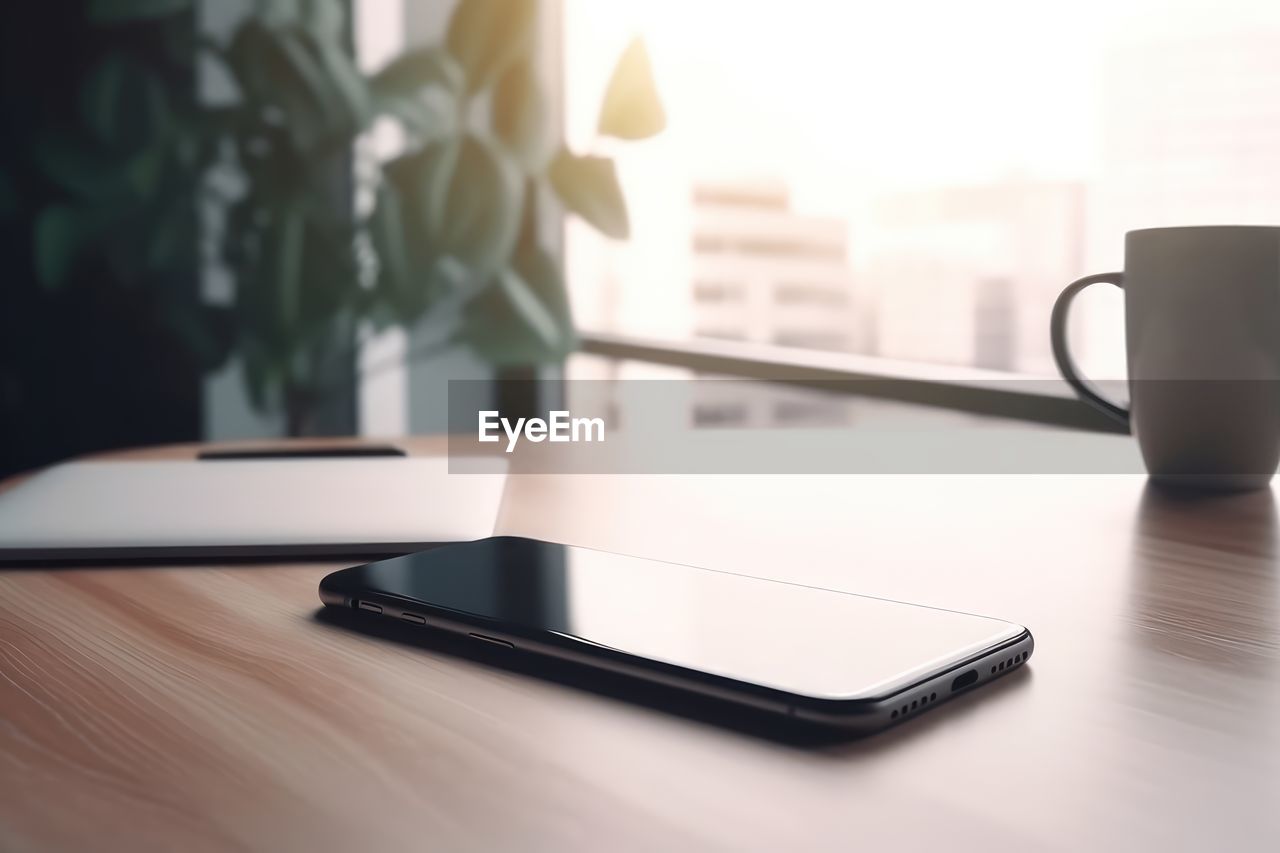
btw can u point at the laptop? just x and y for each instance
(312, 507)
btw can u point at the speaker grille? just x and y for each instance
(922, 701)
(916, 704)
(1010, 663)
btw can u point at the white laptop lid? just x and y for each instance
(246, 508)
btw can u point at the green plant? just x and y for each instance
(327, 245)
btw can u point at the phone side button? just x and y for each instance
(492, 640)
(370, 606)
(414, 618)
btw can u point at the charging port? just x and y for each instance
(964, 680)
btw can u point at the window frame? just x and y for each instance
(1045, 401)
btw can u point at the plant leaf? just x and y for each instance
(307, 74)
(523, 318)
(126, 109)
(388, 237)
(118, 11)
(478, 217)
(422, 119)
(521, 116)
(59, 235)
(452, 276)
(460, 201)
(347, 93)
(326, 19)
(632, 108)
(527, 306)
(589, 187)
(100, 98)
(486, 36)
(145, 170)
(420, 88)
(417, 69)
(386, 225)
(536, 266)
(76, 167)
(274, 69)
(421, 180)
(205, 330)
(277, 13)
(258, 377)
(289, 237)
(172, 236)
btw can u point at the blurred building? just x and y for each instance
(766, 274)
(968, 275)
(763, 273)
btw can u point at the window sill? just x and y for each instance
(981, 392)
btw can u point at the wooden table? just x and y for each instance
(207, 707)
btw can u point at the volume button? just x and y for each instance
(494, 640)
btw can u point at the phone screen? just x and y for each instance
(798, 639)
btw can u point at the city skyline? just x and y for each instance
(974, 289)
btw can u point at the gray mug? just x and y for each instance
(1202, 331)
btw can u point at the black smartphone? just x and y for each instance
(813, 654)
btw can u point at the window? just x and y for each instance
(812, 339)
(831, 295)
(717, 291)
(916, 182)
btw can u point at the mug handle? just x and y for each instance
(1058, 338)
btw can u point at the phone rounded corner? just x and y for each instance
(1027, 638)
(332, 598)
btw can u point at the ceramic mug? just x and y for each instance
(1202, 334)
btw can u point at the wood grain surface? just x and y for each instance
(210, 707)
